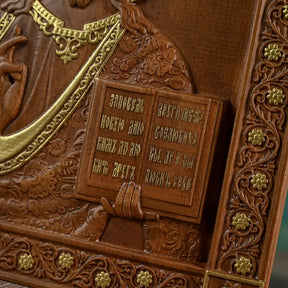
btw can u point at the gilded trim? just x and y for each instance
(230, 277)
(53, 27)
(17, 149)
(5, 23)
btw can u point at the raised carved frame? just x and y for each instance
(255, 183)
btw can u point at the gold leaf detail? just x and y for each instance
(103, 280)
(256, 137)
(69, 41)
(272, 52)
(5, 23)
(144, 279)
(285, 11)
(259, 181)
(240, 221)
(275, 96)
(66, 260)
(243, 265)
(26, 261)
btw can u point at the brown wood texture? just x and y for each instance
(213, 37)
(118, 163)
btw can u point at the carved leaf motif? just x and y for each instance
(169, 237)
(87, 265)
(150, 59)
(270, 117)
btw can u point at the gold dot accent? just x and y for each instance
(241, 221)
(272, 52)
(66, 260)
(243, 265)
(259, 181)
(256, 137)
(103, 280)
(26, 261)
(144, 279)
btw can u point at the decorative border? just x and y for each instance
(72, 267)
(212, 274)
(262, 136)
(85, 80)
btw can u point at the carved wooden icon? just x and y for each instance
(118, 163)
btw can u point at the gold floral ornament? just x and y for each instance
(103, 280)
(272, 52)
(66, 260)
(26, 261)
(275, 96)
(259, 181)
(240, 221)
(243, 265)
(285, 11)
(144, 279)
(256, 137)
(69, 41)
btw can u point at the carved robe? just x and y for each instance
(39, 193)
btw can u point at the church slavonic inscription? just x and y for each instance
(159, 140)
(173, 150)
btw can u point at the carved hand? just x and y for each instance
(12, 80)
(127, 203)
(95, 224)
(17, 7)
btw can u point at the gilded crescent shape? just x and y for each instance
(18, 148)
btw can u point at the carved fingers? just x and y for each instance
(17, 7)
(128, 203)
(11, 44)
(12, 80)
(9, 68)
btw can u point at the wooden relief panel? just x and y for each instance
(118, 163)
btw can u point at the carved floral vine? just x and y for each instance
(45, 260)
(253, 183)
(150, 60)
(41, 195)
(170, 238)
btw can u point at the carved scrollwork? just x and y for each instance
(85, 269)
(169, 237)
(257, 161)
(150, 60)
(40, 195)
